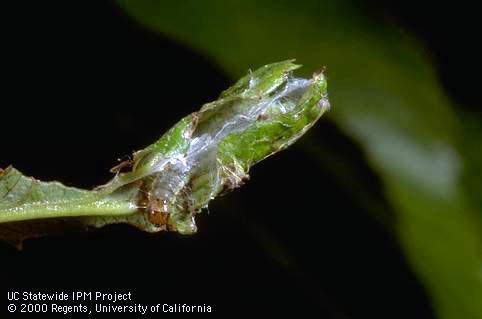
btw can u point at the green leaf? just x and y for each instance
(24, 198)
(387, 99)
(205, 154)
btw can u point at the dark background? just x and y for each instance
(83, 84)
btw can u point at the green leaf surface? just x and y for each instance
(386, 97)
(24, 198)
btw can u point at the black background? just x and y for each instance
(82, 85)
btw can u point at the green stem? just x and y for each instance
(67, 209)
